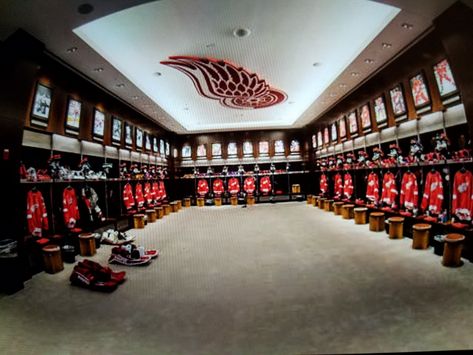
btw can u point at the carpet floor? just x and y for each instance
(286, 278)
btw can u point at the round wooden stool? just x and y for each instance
(360, 215)
(250, 200)
(139, 221)
(187, 202)
(179, 204)
(315, 201)
(296, 188)
(453, 249)
(151, 215)
(200, 202)
(337, 208)
(159, 212)
(376, 221)
(167, 210)
(420, 235)
(52, 259)
(87, 244)
(396, 227)
(309, 199)
(321, 202)
(328, 205)
(218, 201)
(174, 207)
(347, 211)
(234, 201)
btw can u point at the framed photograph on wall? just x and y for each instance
(342, 127)
(186, 151)
(353, 123)
(116, 129)
(314, 141)
(232, 149)
(294, 147)
(216, 149)
(326, 136)
(320, 141)
(397, 100)
(168, 149)
(201, 151)
(365, 117)
(139, 138)
(419, 90)
(247, 148)
(444, 78)
(279, 147)
(99, 123)
(155, 145)
(380, 113)
(147, 142)
(42, 104)
(334, 132)
(73, 116)
(128, 134)
(263, 148)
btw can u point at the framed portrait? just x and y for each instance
(314, 141)
(334, 132)
(247, 148)
(342, 127)
(147, 141)
(116, 129)
(295, 146)
(216, 149)
(155, 145)
(186, 151)
(352, 122)
(264, 148)
(162, 148)
(201, 151)
(365, 116)
(168, 149)
(139, 138)
(397, 100)
(73, 114)
(174, 153)
(42, 102)
(380, 110)
(444, 78)
(320, 141)
(419, 90)
(232, 149)
(128, 134)
(326, 136)
(279, 146)
(99, 123)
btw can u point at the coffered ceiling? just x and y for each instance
(272, 63)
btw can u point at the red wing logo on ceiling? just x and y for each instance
(233, 86)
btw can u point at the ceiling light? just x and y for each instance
(342, 85)
(98, 70)
(157, 73)
(210, 45)
(241, 32)
(71, 50)
(386, 45)
(354, 73)
(85, 9)
(135, 98)
(369, 61)
(332, 94)
(315, 64)
(186, 108)
(120, 85)
(407, 26)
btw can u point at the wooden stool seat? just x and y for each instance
(321, 202)
(174, 207)
(453, 249)
(187, 202)
(234, 200)
(396, 227)
(151, 215)
(179, 204)
(296, 188)
(420, 235)
(218, 201)
(87, 244)
(52, 259)
(139, 221)
(315, 201)
(328, 205)
(159, 212)
(200, 202)
(376, 221)
(309, 198)
(347, 211)
(250, 200)
(360, 215)
(167, 209)
(337, 208)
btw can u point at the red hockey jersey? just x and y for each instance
(338, 187)
(389, 193)
(462, 195)
(147, 194)
(162, 190)
(432, 198)
(202, 187)
(155, 192)
(372, 187)
(233, 186)
(265, 184)
(69, 207)
(323, 184)
(347, 186)
(218, 187)
(139, 197)
(128, 197)
(36, 214)
(249, 185)
(409, 191)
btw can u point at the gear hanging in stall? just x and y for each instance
(233, 186)
(129, 198)
(249, 185)
(409, 194)
(347, 186)
(70, 208)
(202, 187)
(90, 198)
(218, 187)
(338, 187)
(372, 188)
(323, 184)
(36, 215)
(432, 199)
(265, 185)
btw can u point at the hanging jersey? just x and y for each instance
(265, 184)
(432, 198)
(162, 190)
(389, 193)
(69, 207)
(347, 186)
(154, 192)
(372, 187)
(338, 187)
(36, 214)
(91, 199)
(323, 184)
(202, 187)
(233, 186)
(409, 191)
(148, 195)
(462, 195)
(128, 197)
(249, 185)
(139, 197)
(218, 187)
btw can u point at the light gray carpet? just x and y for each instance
(269, 279)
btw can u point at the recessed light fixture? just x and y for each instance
(342, 85)
(386, 45)
(354, 73)
(121, 85)
(85, 9)
(157, 73)
(186, 108)
(315, 64)
(369, 61)
(332, 94)
(71, 50)
(241, 32)
(407, 26)
(135, 98)
(210, 45)
(98, 70)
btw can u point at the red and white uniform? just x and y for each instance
(372, 187)
(218, 187)
(70, 209)
(162, 190)
(128, 197)
(202, 187)
(265, 184)
(432, 199)
(155, 192)
(249, 185)
(233, 186)
(323, 183)
(347, 186)
(390, 192)
(409, 191)
(148, 195)
(338, 187)
(36, 213)
(139, 197)
(462, 195)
